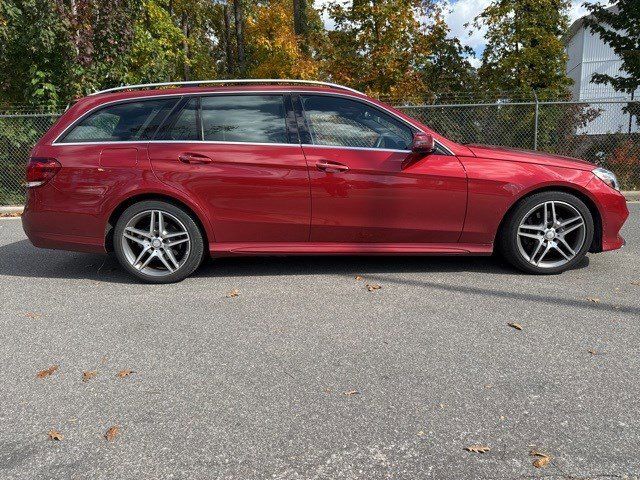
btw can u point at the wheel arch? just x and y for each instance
(123, 205)
(596, 243)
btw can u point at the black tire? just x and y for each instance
(196, 246)
(507, 241)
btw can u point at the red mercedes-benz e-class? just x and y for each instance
(163, 176)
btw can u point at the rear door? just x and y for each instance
(240, 159)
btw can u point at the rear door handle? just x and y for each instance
(194, 158)
(331, 167)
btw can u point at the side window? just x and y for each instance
(129, 121)
(183, 125)
(244, 118)
(343, 122)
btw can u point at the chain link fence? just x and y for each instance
(19, 132)
(599, 131)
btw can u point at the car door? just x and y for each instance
(237, 157)
(365, 185)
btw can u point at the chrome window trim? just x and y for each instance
(218, 142)
(371, 149)
(232, 92)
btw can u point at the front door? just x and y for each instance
(232, 153)
(362, 187)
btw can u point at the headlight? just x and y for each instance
(607, 177)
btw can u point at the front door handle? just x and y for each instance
(194, 158)
(331, 167)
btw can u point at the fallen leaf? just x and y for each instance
(55, 435)
(593, 300)
(359, 277)
(47, 372)
(124, 373)
(637, 284)
(233, 293)
(351, 393)
(11, 214)
(515, 325)
(373, 286)
(542, 460)
(421, 433)
(88, 375)
(488, 386)
(477, 449)
(327, 390)
(32, 315)
(103, 360)
(111, 433)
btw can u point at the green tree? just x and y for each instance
(35, 47)
(619, 26)
(524, 50)
(157, 52)
(101, 34)
(378, 47)
(446, 71)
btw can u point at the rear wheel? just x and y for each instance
(548, 232)
(158, 242)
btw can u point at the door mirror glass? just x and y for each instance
(423, 143)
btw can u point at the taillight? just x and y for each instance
(41, 170)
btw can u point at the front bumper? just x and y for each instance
(613, 213)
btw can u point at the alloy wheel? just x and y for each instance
(551, 234)
(156, 243)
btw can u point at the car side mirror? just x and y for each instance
(422, 143)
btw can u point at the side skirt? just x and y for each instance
(306, 248)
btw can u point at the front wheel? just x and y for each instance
(158, 242)
(548, 232)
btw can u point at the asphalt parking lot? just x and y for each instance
(306, 374)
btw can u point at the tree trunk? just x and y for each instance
(300, 23)
(227, 40)
(239, 17)
(185, 46)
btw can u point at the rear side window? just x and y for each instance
(244, 118)
(130, 121)
(183, 124)
(342, 122)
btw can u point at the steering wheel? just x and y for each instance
(380, 143)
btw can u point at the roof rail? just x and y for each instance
(222, 82)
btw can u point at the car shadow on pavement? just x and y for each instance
(21, 259)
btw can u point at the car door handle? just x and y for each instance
(194, 158)
(331, 167)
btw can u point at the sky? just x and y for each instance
(460, 12)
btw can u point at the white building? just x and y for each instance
(589, 54)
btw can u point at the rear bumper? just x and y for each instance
(612, 206)
(46, 228)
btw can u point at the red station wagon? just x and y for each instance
(256, 167)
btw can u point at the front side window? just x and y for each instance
(343, 122)
(122, 122)
(244, 118)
